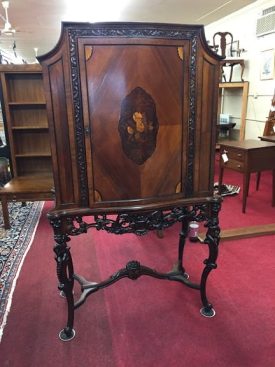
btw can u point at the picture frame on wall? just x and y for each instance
(267, 65)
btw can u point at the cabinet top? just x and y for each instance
(131, 30)
(20, 68)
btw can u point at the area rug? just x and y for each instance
(14, 245)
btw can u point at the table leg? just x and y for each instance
(242, 70)
(246, 180)
(231, 73)
(273, 187)
(258, 178)
(5, 211)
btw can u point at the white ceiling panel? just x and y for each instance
(38, 23)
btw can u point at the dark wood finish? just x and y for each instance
(231, 63)
(86, 140)
(246, 157)
(225, 129)
(225, 42)
(269, 129)
(25, 188)
(132, 114)
(25, 116)
(270, 138)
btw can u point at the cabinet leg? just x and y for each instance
(182, 239)
(65, 275)
(220, 178)
(212, 240)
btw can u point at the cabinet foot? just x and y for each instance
(207, 312)
(66, 334)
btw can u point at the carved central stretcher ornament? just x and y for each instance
(138, 125)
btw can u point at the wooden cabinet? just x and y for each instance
(25, 116)
(133, 113)
(237, 92)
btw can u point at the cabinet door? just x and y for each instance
(137, 118)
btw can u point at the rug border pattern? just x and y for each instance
(10, 272)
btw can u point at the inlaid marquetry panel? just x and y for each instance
(136, 118)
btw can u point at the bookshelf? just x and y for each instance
(24, 114)
(240, 90)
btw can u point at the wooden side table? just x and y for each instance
(271, 139)
(246, 157)
(28, 188)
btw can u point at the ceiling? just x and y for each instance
(38, 23)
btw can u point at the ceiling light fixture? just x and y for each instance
(7, 30)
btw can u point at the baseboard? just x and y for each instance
(246, 232)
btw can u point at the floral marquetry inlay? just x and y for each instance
(178, 188)
(97, 195)
(180, 52)
(138, 125)
(88, 52)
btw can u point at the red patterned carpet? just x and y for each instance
(147, 322)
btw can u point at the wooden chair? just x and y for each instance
(221, 47)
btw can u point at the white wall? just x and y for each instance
(242, 24)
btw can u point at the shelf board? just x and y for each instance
(11, 69)
(30, 127)
(232, 84)
(15, 104)
(33, 155)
